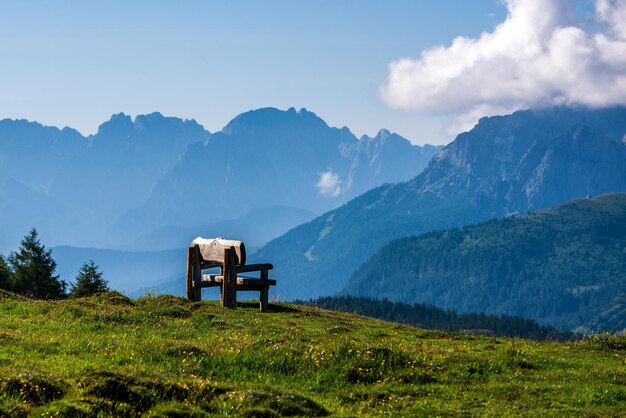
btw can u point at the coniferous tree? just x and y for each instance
(89, 281)
(5, 274)
(33, 270)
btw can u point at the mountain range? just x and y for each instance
(154, 183)
(271, 158)
(72, 187)
(142, 178)
(564, 266)
(144, 186)
(509, 164)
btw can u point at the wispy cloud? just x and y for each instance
(539, 56)
(329, 184)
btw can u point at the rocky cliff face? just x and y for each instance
(532, 159)
(385, 158)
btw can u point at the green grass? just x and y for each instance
(164, 356)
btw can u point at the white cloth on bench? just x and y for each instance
(212, 249)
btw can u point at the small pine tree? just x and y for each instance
(5, 274)
(89, 281)
(33, 270)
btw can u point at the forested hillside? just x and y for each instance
(428, 316)
(564, 266)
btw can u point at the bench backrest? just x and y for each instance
(212, 249)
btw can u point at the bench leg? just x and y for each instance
(190, 273)
(264, 303)
(193, 270)
(263, 299)
(229, 284)
(222, 295)
(196, 294)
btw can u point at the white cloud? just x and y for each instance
(329, 184)
(539, 56)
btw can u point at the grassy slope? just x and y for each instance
(109, 356)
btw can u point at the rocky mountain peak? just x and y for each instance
(118, 126)
(158, 125)
(268, 120)
(383, 134)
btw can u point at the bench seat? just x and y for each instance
(243, 282)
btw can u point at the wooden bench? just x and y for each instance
(230, 257)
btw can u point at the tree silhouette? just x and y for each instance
(88, 281)
(33, 270)
(5, 274)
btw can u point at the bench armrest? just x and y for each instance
(254, 267)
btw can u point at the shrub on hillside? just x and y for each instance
(89, 281)
(5, 274)
(33, 270)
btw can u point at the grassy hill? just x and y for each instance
(564, 266)
(164, 356)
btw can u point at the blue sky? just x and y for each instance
(424, 69)
(77, 62)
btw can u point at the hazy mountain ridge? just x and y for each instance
(21, 207)
(506, 164)
(149, 170)
(121, 164)
(563, 266)
(255, 228)
(84, 183)
(268, 157)
(33, 154)
(75, 188)
(126, 271)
